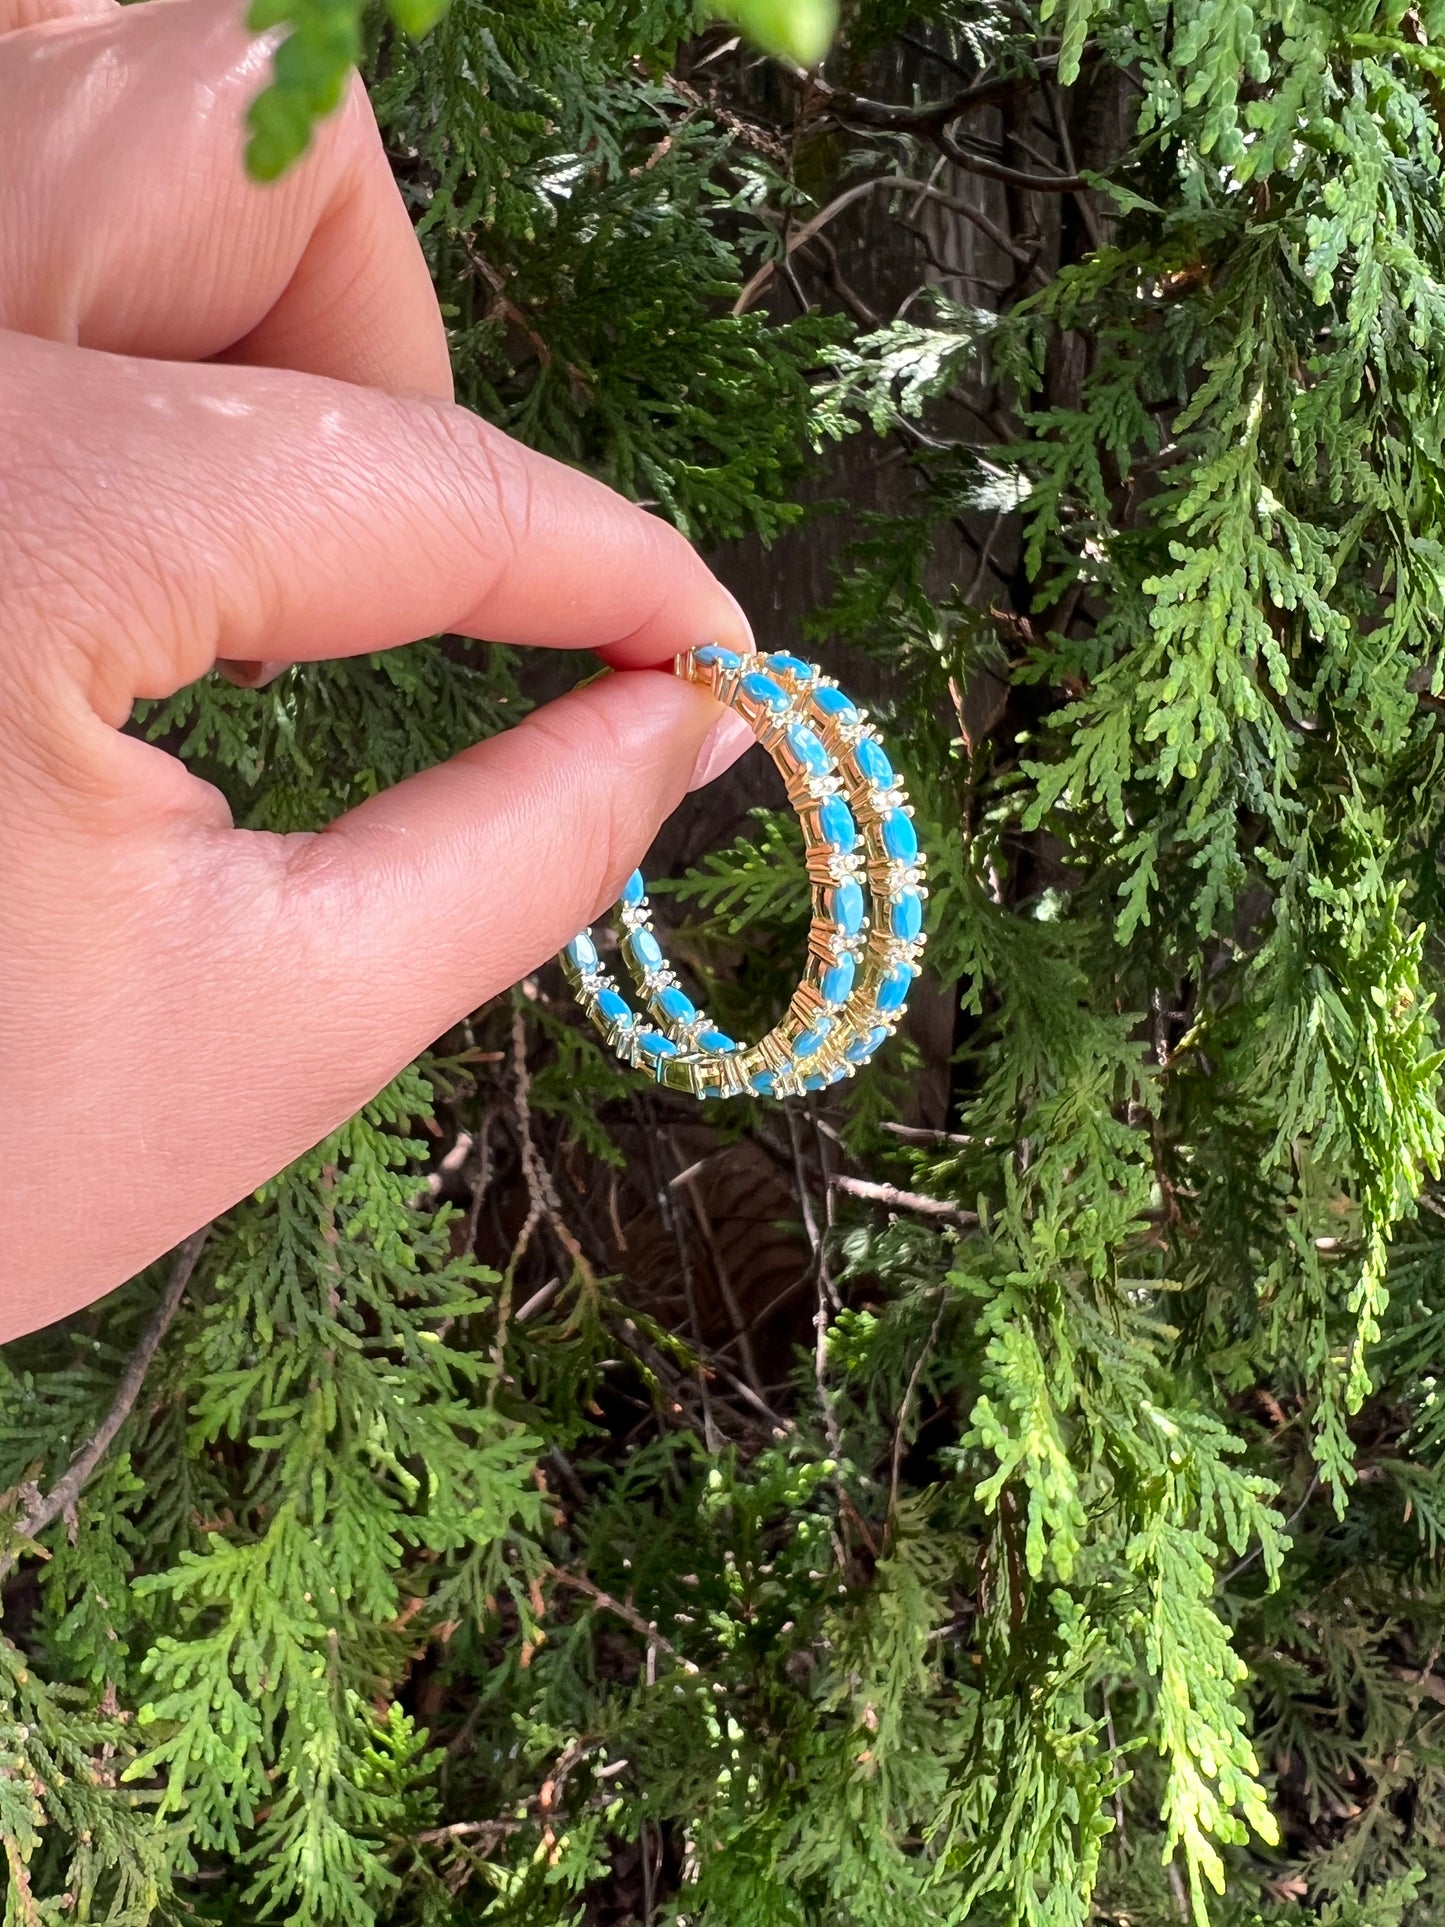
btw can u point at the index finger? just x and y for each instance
(164, 514)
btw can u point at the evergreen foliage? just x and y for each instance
(1085, 1558)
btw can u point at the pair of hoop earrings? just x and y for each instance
(866, 869)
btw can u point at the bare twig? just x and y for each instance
(488, 1830)
(906, 1408)
(826, 1295)
(1249, 1558)
(629, 1615)
(925, 190)
(925, 118)
(724, 1278)
(60, 1501)
(1066, 148)
(914, 1134)
(915, 1201)
(971, 162)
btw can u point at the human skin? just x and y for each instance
(227, 436)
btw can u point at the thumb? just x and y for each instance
(237, 995)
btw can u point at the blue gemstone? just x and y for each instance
(894, 989)
(645, 950)
(835, 821)
(764, 1083)
(808, 750)
(793, 666)
(764, 690)
(613, 1008)
(848, 907)
(712, 655)
(862, 1048)
(900, 839)
(907, 918)
(675, 1004)
(652, 1043)
(837, 984)
(634, 889)
(583, 952)
(833, 703)
(814, 1039)
(876, 768)
(717, 1040)
(816, 1081)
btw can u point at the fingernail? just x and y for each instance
(727, 740)
(249, 675)
(742, 636)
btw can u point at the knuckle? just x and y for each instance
(490, 484)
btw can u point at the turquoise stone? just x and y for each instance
(712, 655)
(874, 763)
(900, 839)
(675, 1004)
(716, 1040)
(652, 1043)
(794, 666)
(834, 704)
(634, 889)
(815, 1081)
(814, 1039)
(837, 983)
(613, 1008)
(808, 749)
(644, 949)
(765, 1083)
(893, 991)
(762, 689)
(862, 1048)
(848, 907)
(583, 952)
(835, 822)
(907, 918)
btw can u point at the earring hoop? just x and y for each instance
(863, 949)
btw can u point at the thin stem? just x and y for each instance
(60, 1501)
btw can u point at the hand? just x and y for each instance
(226, 433)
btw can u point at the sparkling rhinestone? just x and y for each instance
(900, 839)
(837, 984)
(835, 822)
(808, 749)
(907, 918)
